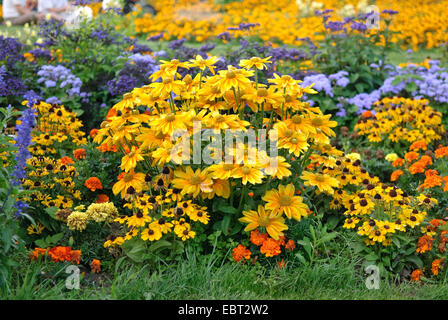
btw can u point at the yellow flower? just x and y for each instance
(192, 182)
(391, 157)
(323, 182)
(285, 201)
(129, 161)
(272, 222)
(256, 62)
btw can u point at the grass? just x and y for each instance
(199, 277)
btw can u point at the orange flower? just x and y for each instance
(417, 167)
(432, 180)
(38, 252)
(396, 174)
(416, 275)
(241, 252)
(60, 254)
(93, 183)
(258, 238)
(437, 222)
(270, 248)
(104, 148)
(424, 244)
(411, 156)
(79, 154)
(75, 256)
(418, 145)
(93, 133)
(441, 152)
(66, 160)
(367, 114)
(436, 266)
(102, 198)
(427, 160)
(290, 245)
(398, 163)
(95, 266)
(281, 263)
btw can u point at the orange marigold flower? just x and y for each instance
(416, 275)
(66, 160)
(436, 266)
(270, 248)
(93, 183)
(398, 163)
(437, 222)
(427, 160)
(411, 156)
(102, 198)
(95, 266)
(367, 114)
(241, 252)
(441, 152)
(258, 238)
(418, 145)
(93, 133)
(290, 245)
(75, 256)
(37, 253)
(424, 244)
(60, 254)
(396, 174)
(79, 154)
(432, 180)
(417, 167)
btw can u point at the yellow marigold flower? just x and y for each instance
(391, 157)
(100, 212)
(77, 221)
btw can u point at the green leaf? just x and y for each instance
(51, 211)
(327, 237)
(301, 258)
(135, 249)
(225, 224)
(371, 257)
(415, 260)
(411, 87)
(228, 209)
(159, 245)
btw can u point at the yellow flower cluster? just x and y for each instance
(57, 127)
(45, 174)
(51, 179)
(401, 119)
(98, 212)
(159, 189)
(376, 210)
(419, 22)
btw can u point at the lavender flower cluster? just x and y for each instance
(10, 85)
(429, 82)
(135, 73)
(23, 140)
(10, 49)
(61, 77)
